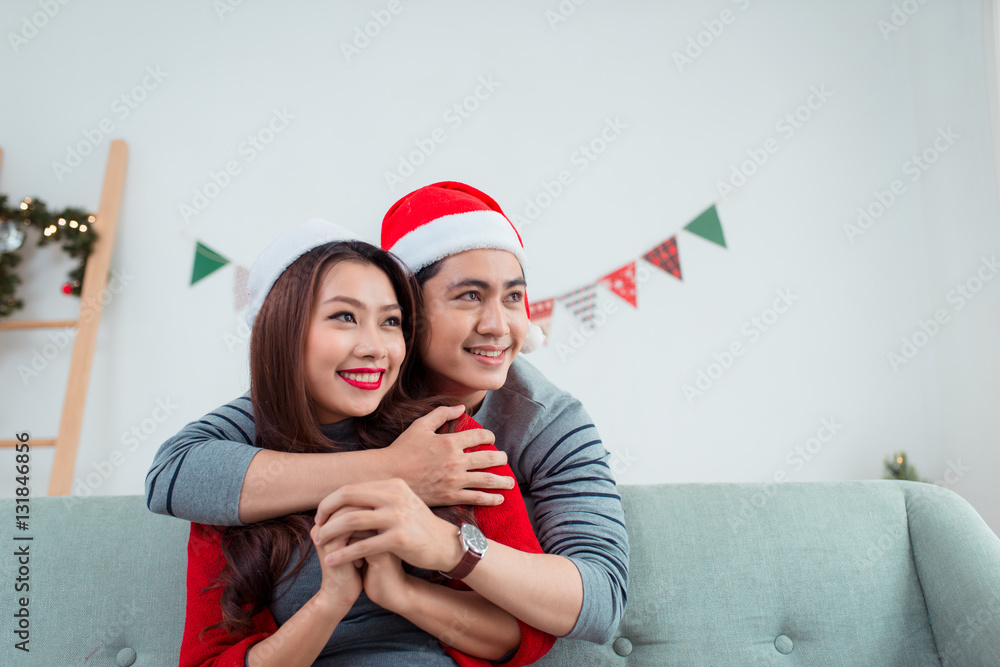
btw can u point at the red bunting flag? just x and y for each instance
(581, 302)
(665, 257)
(622, 283)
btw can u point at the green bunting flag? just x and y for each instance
(708, 226)
(206, 261)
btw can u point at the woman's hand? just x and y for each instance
(341, 583)
(385, 582)
(405, 526)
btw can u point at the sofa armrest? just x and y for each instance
(957, 558)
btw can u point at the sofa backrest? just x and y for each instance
(720, 574)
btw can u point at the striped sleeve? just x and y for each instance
(578, 514)
(197, 474)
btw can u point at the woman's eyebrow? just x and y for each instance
(358, 304)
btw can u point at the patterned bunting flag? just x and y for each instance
(581, 302)
(206, 261)
(708, 226)
(622, 283)
(541, 314)
(241, 297)
(665, 256)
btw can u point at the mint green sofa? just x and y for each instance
(842, 573)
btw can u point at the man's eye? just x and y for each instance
(469, 296)
(515, 296)
(343, 317)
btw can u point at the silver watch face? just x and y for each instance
(474, 538)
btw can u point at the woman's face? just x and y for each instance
(354, 344)
(476, 319)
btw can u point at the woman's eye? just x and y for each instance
(394, 322)
(343, 317)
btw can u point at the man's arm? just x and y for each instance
(211, 472)
(578, 513)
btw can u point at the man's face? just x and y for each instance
(474, 309)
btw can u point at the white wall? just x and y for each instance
(557, 83)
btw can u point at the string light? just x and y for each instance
(73, 223)
(83, 228)
(62, 221)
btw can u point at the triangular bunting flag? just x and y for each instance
(206, 261)
(708, 226)
(581, 302)
(541, 314)
(241, 297)
(665, 256)
(622, 282)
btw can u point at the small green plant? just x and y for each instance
(897, 467)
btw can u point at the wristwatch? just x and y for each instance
(475, 546)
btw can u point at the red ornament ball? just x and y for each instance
(67, 289)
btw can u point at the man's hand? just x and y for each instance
(436, 466)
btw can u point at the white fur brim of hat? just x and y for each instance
(455, 233)
(459, 232)
(283, 252)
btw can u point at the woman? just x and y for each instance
(327, 353)
(471, 260)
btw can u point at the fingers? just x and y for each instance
(352, 522)
(485, 459)
(438, 417)
(472, 438)
(358, 550)
(487, 480)
(481, 498)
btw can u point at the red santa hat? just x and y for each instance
(447, 218)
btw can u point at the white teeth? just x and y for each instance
(486, 353)
(362, 377)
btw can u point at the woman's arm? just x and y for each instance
(299, 641)
(463, 620)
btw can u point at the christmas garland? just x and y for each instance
(73, 228)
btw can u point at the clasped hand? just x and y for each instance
(380, 524)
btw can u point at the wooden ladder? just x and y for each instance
(95, 279)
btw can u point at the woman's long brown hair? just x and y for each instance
(258, 555)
